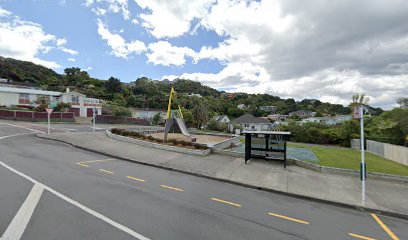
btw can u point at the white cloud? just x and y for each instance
(4, 12)
(24, 40)
(135, 21)
(61, 42)
(120, 48)
(112, 6)
(88, 69)
(61, 46)
(286, 47)
(171, 18)
(71, 59)
(163, 53)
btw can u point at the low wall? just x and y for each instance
(36, 116)
(159, 146)
(226, 144)
(108, 119)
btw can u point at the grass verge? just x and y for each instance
(350, 159)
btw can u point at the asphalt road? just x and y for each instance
(50, 190)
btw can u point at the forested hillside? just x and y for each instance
(147, 93)
(388, 126)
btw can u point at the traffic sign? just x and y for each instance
(357, 113)
(49, 110)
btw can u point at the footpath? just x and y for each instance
(387, 196)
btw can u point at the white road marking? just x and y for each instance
(34, 130)
(45, 126)
(77, 204)
(19, 223)
(4, 126)
(14, 135)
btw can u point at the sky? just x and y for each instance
(316, 49)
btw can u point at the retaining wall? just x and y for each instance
(159, 146)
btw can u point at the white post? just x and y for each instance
(362, 155)
(94, 118)
(49, 124)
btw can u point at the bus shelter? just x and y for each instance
(268, 145)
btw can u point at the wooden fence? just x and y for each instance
(392, 152)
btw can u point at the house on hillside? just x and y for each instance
(277, 117)
(328, 120)
(270, 109)
(222, 119)
(249, 123)
(302, 113)
(22, 96)
(148, 114)
(242, 106)
(195, 95)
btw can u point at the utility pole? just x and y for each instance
(359, 114)
(362, 165)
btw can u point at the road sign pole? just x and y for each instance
(49, 124)
(94, 118)
(362, 166)
(49, 111)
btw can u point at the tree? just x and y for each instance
(156, 119)
(119, 111)
(235, 112)
(403, 102)
(75, 76)
(113, 85)
(359, 99)
(200, 114)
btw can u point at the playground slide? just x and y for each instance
(183, 127)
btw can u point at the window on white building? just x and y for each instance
(74, 99)
(24, 96)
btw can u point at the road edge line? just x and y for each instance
(79, 205)
(20, 221)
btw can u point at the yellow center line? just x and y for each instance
(223, 201)
(137, 179)
(82, 164)
(361, 237)
(288, 218)
(172, 188)
(106, 171)
(386, 229)
(101, 160)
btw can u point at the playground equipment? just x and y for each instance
(175, 116)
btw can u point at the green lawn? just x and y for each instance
(350, 159)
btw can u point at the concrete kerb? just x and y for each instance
(305, 197)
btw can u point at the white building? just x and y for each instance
(277, 117)
(148, 114)
(242, 106)
(328, 120)
(222, 119)
(268, 108)
(20, 96)
(250, 123)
